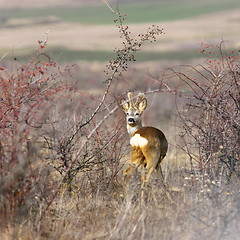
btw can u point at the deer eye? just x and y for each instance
(137, 114)
(128, 114)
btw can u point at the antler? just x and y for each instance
(140, 103)
(130, 97)
(139, 98)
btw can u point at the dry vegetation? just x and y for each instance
(63, 151)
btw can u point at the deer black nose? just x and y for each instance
(131, 120)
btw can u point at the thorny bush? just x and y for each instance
(211, 120)
(27, 90)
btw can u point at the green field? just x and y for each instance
(136, 13)
(66, 55)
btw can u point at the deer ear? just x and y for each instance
(124, 104)
(142, 105)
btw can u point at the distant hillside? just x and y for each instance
(44, 3)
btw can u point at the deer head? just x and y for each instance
(134, 111)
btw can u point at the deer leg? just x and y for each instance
(148, 169)
(149, 172)
(160, 173)
(137, 159)
(127, 172)
(151, 161)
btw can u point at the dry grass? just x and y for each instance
(202, 209)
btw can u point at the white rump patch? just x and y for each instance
(138, 141)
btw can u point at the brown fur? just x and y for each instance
(149, 156)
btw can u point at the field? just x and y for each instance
(94, 36)
(155, 11)
(64, 146)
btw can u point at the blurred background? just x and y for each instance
(84, 31)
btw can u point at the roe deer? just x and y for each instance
(149, 144)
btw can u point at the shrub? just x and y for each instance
(27, 91)
(211, 120)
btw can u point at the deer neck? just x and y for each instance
(132, 129)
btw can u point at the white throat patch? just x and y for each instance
(138, 141)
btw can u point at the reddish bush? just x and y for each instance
(212, 117)
(27, 91)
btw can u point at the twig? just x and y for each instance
(110, 7)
